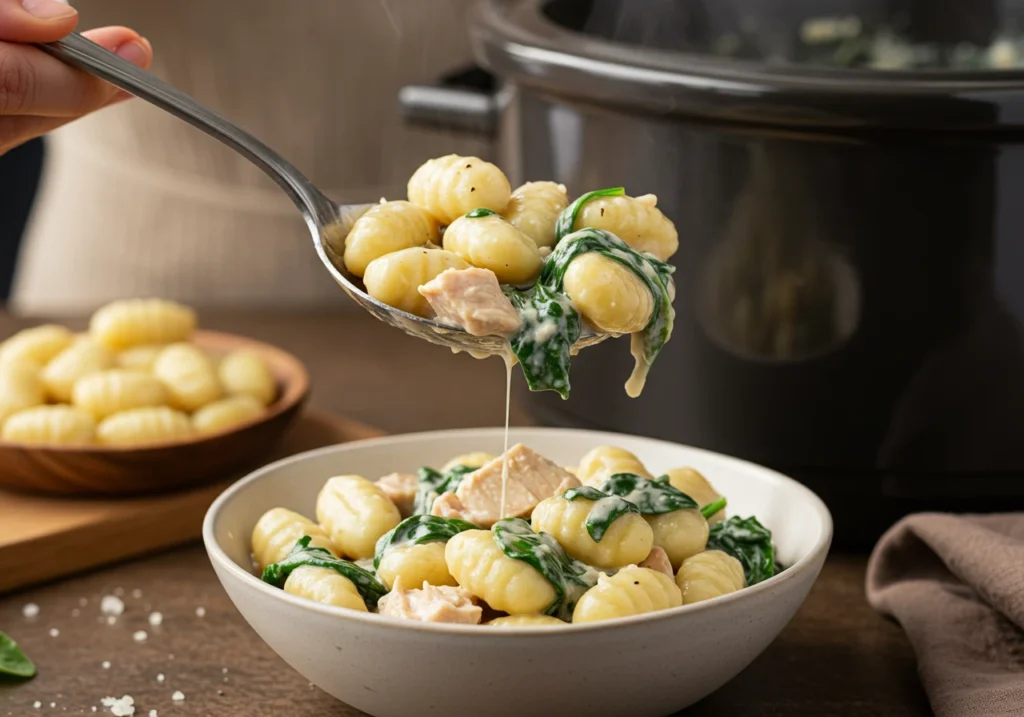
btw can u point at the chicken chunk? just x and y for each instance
(401, 489)
(658, 561)
(447, 505)
(431, 603)
(472, 299)
(531, 479)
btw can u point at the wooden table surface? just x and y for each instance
(836, 658)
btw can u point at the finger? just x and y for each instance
(34, 83)
(35, 20)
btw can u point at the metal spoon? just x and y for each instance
(329, 223)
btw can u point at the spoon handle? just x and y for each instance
(86, 55)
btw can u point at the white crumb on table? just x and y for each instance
(31, 610)
(136, 593)
(155, 618)
(111, 620)
(106, 664)
(200, 611)
(37, 704)
(54, 632)
(160, 677)
(111, 605)
(152, 713)
(140, 636)
(120, 706)
(178, 696)
(224, 670)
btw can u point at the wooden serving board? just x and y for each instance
(46, 537)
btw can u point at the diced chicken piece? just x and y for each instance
(447, 505)
(401, 489)
(658, 561)
(431, 603)
(472, 299)
(531, 479)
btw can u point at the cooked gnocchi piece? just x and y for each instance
(480, 566)
(630, 545)
(36, 345)
(189, 376)
(487, 241)
(451, 186)
(636, 221)
(133, 322)
(415, 565)
(627, 540)
(245, 373)
(695, 485)
(278, 530)
(395, 278)
(141, 426)
(226, 413)
(108, 392)
(385, 228)
(20, 388)
(139, 358)
(708, 575)
(355, 513)
(326, 586)
(83, 357)
(53, 425)
(608, 295)
(631, 591)
(534, 209)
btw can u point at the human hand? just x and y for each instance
(39, 93)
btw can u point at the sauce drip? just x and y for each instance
(510, 360)
(637, 379)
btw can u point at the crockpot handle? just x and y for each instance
(464, 101)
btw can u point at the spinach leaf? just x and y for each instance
(570, 578)
(713, 507)
(655, 274)
(652, 497)
(368, 586)
(480, 212)
(605, 511)
(13, 661)
(419, 529)
(749, 542)
(433, 483)
(550, 326)
(567, 219)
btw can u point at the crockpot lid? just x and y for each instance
(771, 62)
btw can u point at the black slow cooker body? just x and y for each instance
(849, 277)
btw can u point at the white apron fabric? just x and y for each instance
(136, 203)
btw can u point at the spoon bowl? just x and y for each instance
(329, 222)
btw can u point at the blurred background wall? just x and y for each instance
(19, 179)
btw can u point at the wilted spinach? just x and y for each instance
(419, 529)
(370, 589)
(605, 511)
(567, 219)
(749, 542)
(13, 661)
(550, 325)
(433, 483)
(570, 578)
(652, 497)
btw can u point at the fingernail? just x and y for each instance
(134, 51)
(48, 9)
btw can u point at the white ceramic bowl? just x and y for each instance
(652, 664)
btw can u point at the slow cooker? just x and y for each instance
(847, 179)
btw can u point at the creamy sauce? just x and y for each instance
(641, 367)
(510, 361)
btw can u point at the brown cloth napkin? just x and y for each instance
(956, 585)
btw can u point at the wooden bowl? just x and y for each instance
(124, 470)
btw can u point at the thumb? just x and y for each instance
(35, 20)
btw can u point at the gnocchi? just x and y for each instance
(394, 279)
(637, 221)
(36, 345)
(708, 575)
(141, 426)
(132, 322)
(85, 356)
(355, 513)
(695, 485)
(20, 388)
(326, 586)
(386, 228)
(108, 392)
(490, 242)
(631, 591)
(603, 462)
(534, 209)
(53, 425)
(188, 375)
(245, 373)
(451, 186)
(226, 413)
(139, 358)
(584, 553)
(608, 295)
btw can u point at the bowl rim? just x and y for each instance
(219, 557)
(292, 392)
